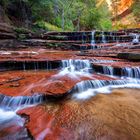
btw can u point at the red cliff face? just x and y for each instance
(124, 5)
(119, 6)
(122, 12)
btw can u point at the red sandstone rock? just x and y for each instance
(103, 116)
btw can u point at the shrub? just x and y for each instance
(105, 24)
(47, 26)
(21, 30)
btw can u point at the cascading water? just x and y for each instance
(16, 103)
(133, 72)
(46, 65)
(75, 68)
(108, 70)
(83, 38)
(93, 39)
(24, 66)
(12, 122)
(9, 106)
(86, 89)
(112, 34)
(53, 114)
(103, 38)
(135, 38)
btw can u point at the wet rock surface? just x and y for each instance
(113, 116)
(130, 56)
(67, 88)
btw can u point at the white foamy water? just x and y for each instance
(133, 72)
(103, 38)
(86, 89)
(108, 70)
(126, 72)
(75, 68)
(93, 39)
(9, 106)
(9, 118)
(135, 37)
(19, 102)
(7, 115)
(104, 90)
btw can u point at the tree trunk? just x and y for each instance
(78, 24)
(63, 19)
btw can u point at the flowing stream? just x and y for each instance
(135, 38)
(9, 106)
(128, 77)
(75, 68)
(93, 39)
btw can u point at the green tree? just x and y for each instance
(67, 14)
(136, 9)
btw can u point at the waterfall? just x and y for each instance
(75, 68)
(108, 70)
(83, 38)
(31, 65)
(135, 38)
(93, 39)
(9, 106)
(86, 89)
(9, 119)
(85, 85)
(113, 36)
(103, 38)
(133, 72)
(76, 65)
(18, 102)
(7, 115)
(24, 66)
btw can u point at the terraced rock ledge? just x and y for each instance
(70, 85)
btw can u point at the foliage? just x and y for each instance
(105, 24)
(105, 21)
(21, 36)
(47, 26)
(21, 30)
(136, 9)
(4, 2)
(68, 15)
